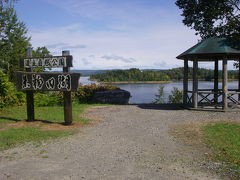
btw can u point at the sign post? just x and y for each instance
(29, 94)
(48, 81)
(67, 97)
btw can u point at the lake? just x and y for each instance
(145, 93)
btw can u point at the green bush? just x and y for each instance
(176, 96)
(48, 99)
(8, 93)
(159, 98)
(86, 92)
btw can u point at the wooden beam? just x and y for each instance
(216, 81)
(29, 95)
(239, 79)
(185, 82)
(195, 84)
(225, 85)
(67, 97)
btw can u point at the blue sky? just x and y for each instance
(109, 34)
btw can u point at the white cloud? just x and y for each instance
(77, 46)
(118, 58)
(52, 46)
(118, 34)
(150, 48)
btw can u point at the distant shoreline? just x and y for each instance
(153, 82)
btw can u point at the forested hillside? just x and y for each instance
(151, 75)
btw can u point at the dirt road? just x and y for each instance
(125, 142)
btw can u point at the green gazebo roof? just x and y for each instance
(213, 48)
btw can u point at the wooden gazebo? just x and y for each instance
(213, 49)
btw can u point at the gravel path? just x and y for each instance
(126, 142)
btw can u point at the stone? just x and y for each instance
(118, 96)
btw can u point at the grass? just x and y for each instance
(52, 114)
(221, 140)
(12, 137)
(224, 138)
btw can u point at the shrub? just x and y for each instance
(176, 96)
(48, 99)
(86, 92)
(159, 98)
(8, 93)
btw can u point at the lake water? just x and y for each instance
(145, 93)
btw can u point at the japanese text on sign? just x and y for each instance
(47, 81)
(45, 62)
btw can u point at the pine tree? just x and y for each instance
(13, 38)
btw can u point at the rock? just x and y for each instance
(118, 96)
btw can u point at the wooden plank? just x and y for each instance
(225, 85)
(30, 95)
(47, 62)
(216, 81)
(195, 84)
(185, 82)
(67, 97)
(205, 98)
(31, 81)
(239, 79)
(207, 91)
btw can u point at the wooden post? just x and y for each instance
(225, 85)
(216, 82)
(239, 79)
(67, 97)
(195, 84)
(29, 94)
(185, 82)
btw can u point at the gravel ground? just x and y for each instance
(125, 142)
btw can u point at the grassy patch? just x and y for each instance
(12, 114)
(53, 114)
(14, 136)
(221, 141)
(225, 139)
(11, 137)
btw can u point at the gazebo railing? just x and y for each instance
(210, 97)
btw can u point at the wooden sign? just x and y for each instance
(47, 62)
(26, 81)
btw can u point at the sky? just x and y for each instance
(110, 34)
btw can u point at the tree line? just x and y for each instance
(160, 75)
(14, 39)
(130, 75)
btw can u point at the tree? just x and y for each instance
(41, 52)
(212, 17)
(13, 38)
(176, 96)
(159, 97)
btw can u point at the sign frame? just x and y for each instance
(47, 62)
(53, 81)
(64, 81)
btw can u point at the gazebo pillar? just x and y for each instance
(185, 82)
(195, 84)
(239, 79)
(216, 81)
(225, 85)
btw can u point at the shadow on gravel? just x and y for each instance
(161, 106)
